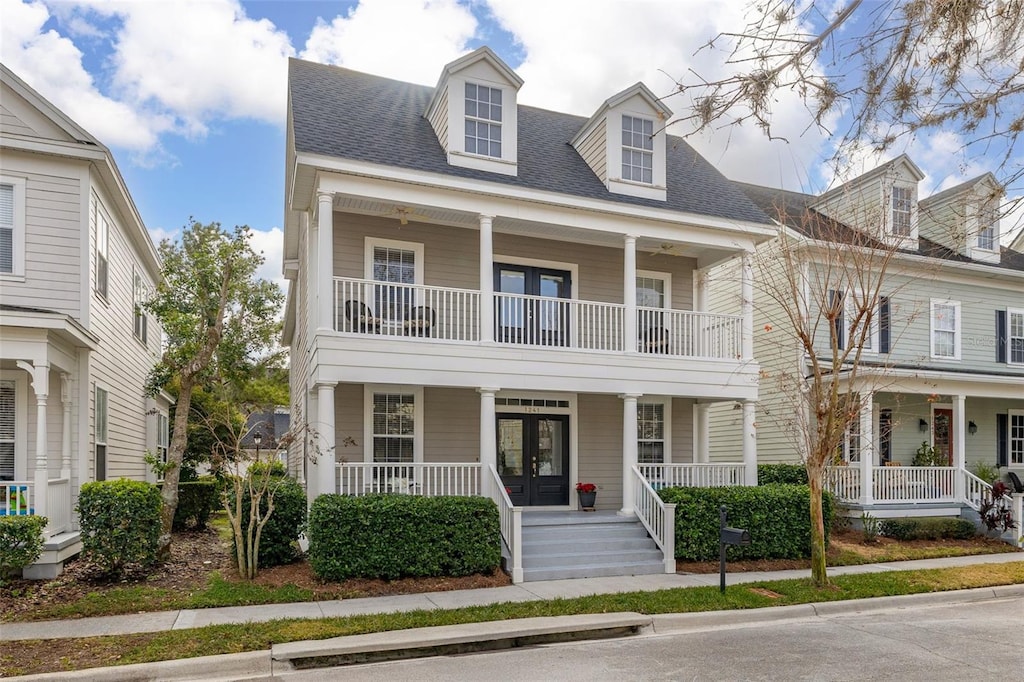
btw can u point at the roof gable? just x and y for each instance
(37, 113)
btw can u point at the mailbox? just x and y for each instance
(735, 536)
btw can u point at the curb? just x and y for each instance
(248, 666)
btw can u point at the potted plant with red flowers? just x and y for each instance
(587, 493)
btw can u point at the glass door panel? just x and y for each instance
(533, 458)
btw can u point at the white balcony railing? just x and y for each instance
(447, 314)
(409, 479)
(693, 475)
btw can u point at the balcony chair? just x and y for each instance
(1018, 487)
(419, 320)
(654, 340)
(360, 318)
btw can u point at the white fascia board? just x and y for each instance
(57, 322)
(483, 197)
(926, 381)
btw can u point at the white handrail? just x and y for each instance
(657, 516)
(975, 489)
(511, 520)
(1017, 504)
(429, 479)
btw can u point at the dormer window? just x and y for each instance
(483, 120)
(988, 226)
(902, 205)
(637, 149)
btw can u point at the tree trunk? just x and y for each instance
(818, 573)
(175, 454)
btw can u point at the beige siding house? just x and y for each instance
(75, 349)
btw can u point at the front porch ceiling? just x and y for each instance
(929, 382)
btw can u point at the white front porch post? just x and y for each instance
(629, 296)
(702, 433)
(39, 376)
(749, 443)
(867, 447)
(65, 436)
(488, 441)
(959, 445)
(747, 306)
(486, 280)
(629, 450)
(326, 471)
(325, 261)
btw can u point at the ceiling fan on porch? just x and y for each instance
(665, 248)
(404, 214)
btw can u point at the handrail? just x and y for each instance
(975, 490)
(657, 516)
(412, 478)
(511, 521)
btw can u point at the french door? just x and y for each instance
(533, 458)
(522, 315)
(942, 433)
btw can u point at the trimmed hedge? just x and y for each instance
(776, 515)
(21, 542)
(395, 536)
(790, 474)
(279, 541)
(928, 528)
(196, 501)
(120, 523)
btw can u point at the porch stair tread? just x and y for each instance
(592, 571)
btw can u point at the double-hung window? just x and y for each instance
(650, 433)
(988, 226)
(1016, 437)
(12, 225)
(8, 427)
(945, 329)
(101, 420)
(902, 207)
(1015, 336)
(394, 427)
(637, 149)
(163, 440)
(140, 295)
(102, 253)
(483, 120)
(396, 265)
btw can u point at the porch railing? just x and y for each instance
(511, 521)
(17, 498)
(690, 334)
(369, 307)
(693, 475)
(975, 490)
(657, 516)
(843, 482)
(914, 484)
(58, 505)
(363, 478)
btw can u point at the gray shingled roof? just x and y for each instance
(362, 117)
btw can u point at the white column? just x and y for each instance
(700, 290)
(629, 296)
(867, 447)
(486, 280)
(326, 471)
(488, 441)
(749, 442)
(747, 306)
(629, 450)
(39, 375)
(959, 444)
(65, 437)
(702, 433)
(325, 261)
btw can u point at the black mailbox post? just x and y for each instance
(727, 536)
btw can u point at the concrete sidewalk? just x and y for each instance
(534, 591)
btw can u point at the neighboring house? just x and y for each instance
(943, 363)
(75, 347)
(265, 432)
(496, 299)
(1018, 242)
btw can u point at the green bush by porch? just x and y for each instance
(928, 528)
(21, 542)
(394, 536)
(120, 522)
(792, 474)
(777, 516)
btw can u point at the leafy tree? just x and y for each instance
(218, 319)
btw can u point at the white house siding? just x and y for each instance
(11, 123)
(594, 150)
(682, 430)
(298, 375)
(451, 424)
(348, 423)
(439, 119)
(53, 210)
(600, 447)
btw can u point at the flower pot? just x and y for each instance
(587, 500)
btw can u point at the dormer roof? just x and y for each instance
(966, 186)
(481, 54)
(637, 89)
(901, 162)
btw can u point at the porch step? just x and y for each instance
(560, 545)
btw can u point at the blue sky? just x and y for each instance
(190, 94)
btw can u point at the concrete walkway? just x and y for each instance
(533, 591)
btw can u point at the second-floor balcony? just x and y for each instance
(410, 311)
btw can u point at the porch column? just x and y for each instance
(629, 298)
(325, 261)
(702, 433)
(65, 437)
(39, 377)
(747, 306)
(629, 450)
(487, 282)
(867, 447)
(488, 441)
(959, 445)
(700, 290)
(326, 473)
(749, 443)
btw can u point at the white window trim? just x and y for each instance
(957, 330)
(666, 403)
(18, 238)
(572, 268)
(631, 148)
(373, 242)
(1010, 312)
(20, 380)
(96, 433)
(140, 288)
(480, 119)
(1009, 431)
(101, 219)
(163, 437)
(983, 212)
(507, 163)
(665, 277)
(417, 436)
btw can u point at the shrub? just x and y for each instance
(792, 474)
(394, 536)
(21, 542)
(120, 523)
(279, 538)
(777, 516)
(196, 501)
(928, 528)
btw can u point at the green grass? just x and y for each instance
(36, 656)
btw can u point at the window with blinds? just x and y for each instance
(650, 427)
(101, 434)
(6, 228)
(394, 427)
(7, 430)
(102, 250)
(140, 320)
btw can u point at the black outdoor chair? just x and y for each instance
(654, 340)
(1018, 487)
(360, 317)
(419, 320)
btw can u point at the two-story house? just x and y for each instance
(75, 347)
(941, 368)
(489, 298)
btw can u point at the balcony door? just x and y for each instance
(520, 317)
(533, 458)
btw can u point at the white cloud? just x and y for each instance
(268, 242)
(406, 39)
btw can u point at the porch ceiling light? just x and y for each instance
(972, 428)
(922, 426)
